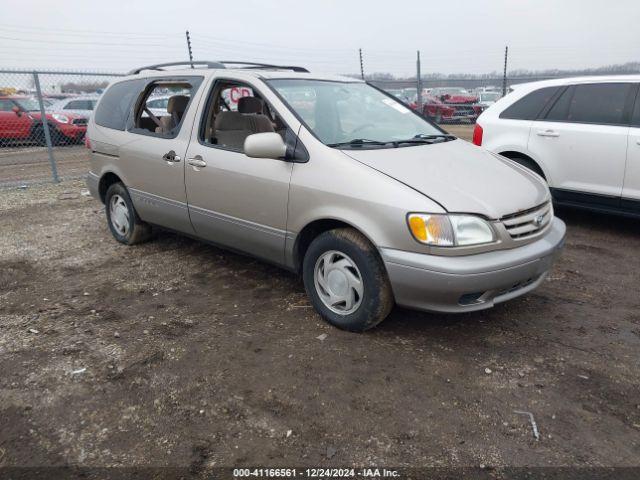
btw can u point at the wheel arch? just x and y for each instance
(312, 230)
(536, 165)
(106, 180)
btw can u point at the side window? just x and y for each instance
(115, 104)
(235, 111)
(599, 103)
(160, 110)
(529, 106)
(560, 109)
(635, 117)
(5, 105)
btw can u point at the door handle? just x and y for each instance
(171, 157)
(638, 142)
(197, 162)
(547, 133)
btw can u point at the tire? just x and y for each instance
(39, 137)
(347, 252)
(124, 223)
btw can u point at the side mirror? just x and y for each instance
(15, 109)
(265, 145)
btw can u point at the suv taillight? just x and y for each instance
(477, 135)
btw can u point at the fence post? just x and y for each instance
(419, 84)
(504, 75)
(45, 127)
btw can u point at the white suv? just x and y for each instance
(581, 134)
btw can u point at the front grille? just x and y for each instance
(79, 121)
(462, 110)
(528, 222)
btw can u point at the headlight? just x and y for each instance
(60, 118)
(441, 230)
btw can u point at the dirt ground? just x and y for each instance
(29, 164)
(178, 353)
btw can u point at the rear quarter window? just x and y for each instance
(115, 104)
(530, 106)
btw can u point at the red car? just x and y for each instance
(451, 105)
(436, 110)
(20, 119)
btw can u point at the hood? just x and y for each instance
(49, 114)
(460, 99)
(459, 176)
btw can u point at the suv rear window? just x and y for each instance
(115, 105)
(529, 106)
(600, 103)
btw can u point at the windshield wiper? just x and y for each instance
(356, 142)
(445, 136)
(425, 139)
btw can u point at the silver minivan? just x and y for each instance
(326, 176)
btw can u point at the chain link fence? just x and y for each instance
(43, 122)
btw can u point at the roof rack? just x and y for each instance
(220, 64)
(265, 66)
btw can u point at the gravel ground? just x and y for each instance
(178, 353)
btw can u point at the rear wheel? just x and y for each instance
(346, 281)
(124, 223)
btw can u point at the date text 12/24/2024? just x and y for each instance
(315, 473)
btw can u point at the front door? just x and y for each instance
(631, 189)
(13, 125)
(234, 200)
(583, 141)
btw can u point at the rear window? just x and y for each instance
(115, 105)
(529, 106)
(599, 103)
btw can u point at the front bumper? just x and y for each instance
(93, 185)
(472, 282)
(71, 131)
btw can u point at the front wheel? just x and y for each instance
(124, 223)
(346, 281)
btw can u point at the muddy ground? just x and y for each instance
(178, 353)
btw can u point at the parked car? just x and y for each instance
(21, 120)
(582, 135)
(464, 104)
(486, 99)
(457, 93)
(83, 105)
(440, 112)
(371, 203)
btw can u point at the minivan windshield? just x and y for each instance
(355, 115)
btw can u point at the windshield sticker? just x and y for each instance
(396, 105)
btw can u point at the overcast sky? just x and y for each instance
(453, 35)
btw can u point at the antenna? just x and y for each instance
(189, 49)
(361, 64)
